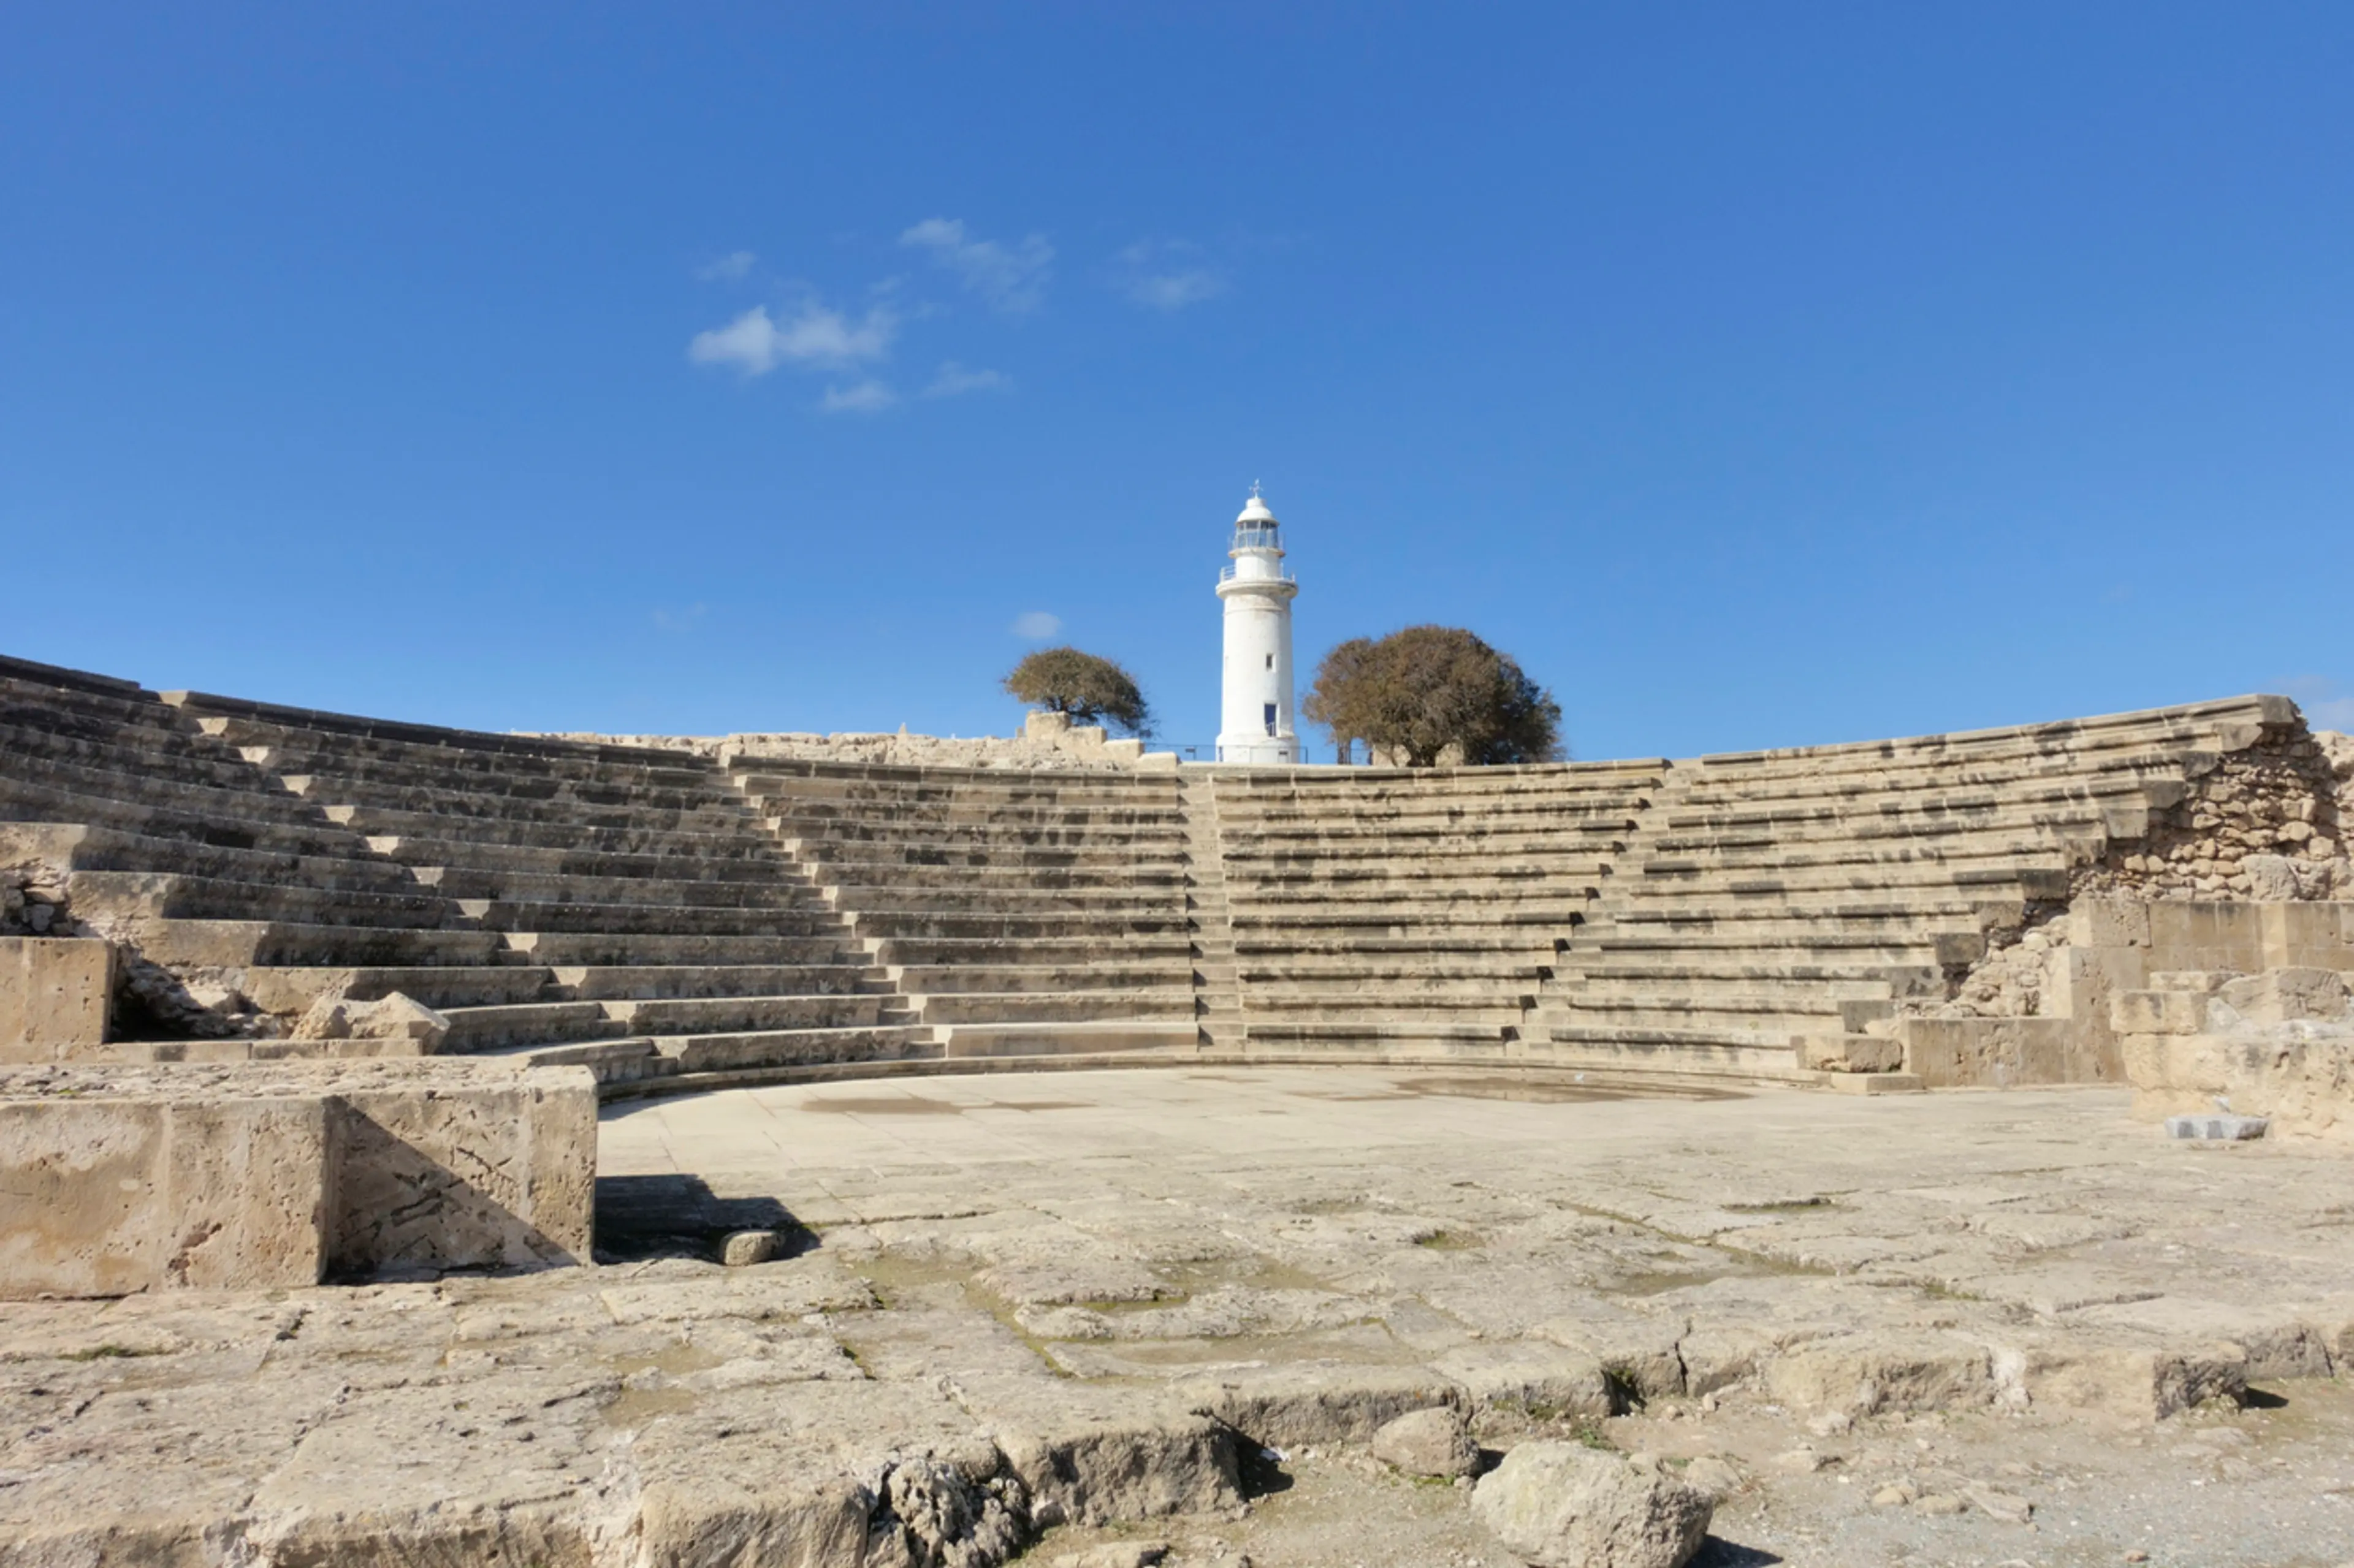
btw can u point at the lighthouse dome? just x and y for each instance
(1254, 514)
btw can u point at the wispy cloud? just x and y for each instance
(736, 264)
(1011, 278)
(2327, 704)
(756, 344)
(1036, 625)
(867, 396)
(954, 380)
(670, 619)
(1169, 275)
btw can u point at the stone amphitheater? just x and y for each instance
(434, 1147)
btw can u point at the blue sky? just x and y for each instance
(1756, 375)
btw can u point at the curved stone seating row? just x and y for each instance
(668, 918)
(1774, 895)
(1412, 912)
(1018, 914)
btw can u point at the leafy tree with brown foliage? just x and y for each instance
(1419, 691)
(1088, 687)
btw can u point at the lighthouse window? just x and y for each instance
(1271, 661)
(1270, 718)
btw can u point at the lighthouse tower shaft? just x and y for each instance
(1255, 721)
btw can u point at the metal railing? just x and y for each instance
(1227, 574)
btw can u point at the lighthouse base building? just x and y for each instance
(1255, 716)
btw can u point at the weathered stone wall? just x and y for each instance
(54, 995)
(2278, 1043)
(2262, 823)
(1048, 742)
(115, 1180)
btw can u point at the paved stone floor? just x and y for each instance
(1049, 1313)
(1969, 1305)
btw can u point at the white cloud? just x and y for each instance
(867, 396)
(1036, 625)
(1168, 276)
(1012, 278)
(670, 620)
(2324, 702)
(1175, 291)
(755, 344)
(954, 380)
(727, 268)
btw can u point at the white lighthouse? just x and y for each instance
(1254, 723)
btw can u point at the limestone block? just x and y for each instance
(2309, 936)
(1851, 1053)
(497, 1172)
(53, 996)
(2276, 996)
(108, 1194)
(2109, 923)
(2206, 936)
(395, 1025)
(2003, 1053)
(1560, 1505)
(1434, 1442)
(1311, 1402)
(2158, 1012)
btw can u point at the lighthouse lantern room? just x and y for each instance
(1256, 723)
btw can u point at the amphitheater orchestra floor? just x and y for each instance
(1744, 1262)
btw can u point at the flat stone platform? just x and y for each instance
(1071, 1309)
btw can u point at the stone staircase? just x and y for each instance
(1766, 898)
(1020, 912)
(1217, 996)
(1411, 912)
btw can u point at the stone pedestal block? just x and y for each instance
(53, 996)
(115, 1180)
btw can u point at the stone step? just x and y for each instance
(668, 920)
(1773, 858)
(1437, 1036)
(236, 944)
(821, 816)
(886, 852)
(1779, 915)
(1488, 1010)
(953, 952)
(1113, 928)
(1158, 880)
(785, 892)
(2199, 724)
(173, 895)
(2068, 798)
(963, 1040)
(1158, 1002)
(293, 988)
(716, 816)
(1415, 875)
(630, 949)
(748, 842)
(21, 801)
(81, 847)
(1667, 1052)
(938, 981)
(1283, 943)
(347, 739)
(948, 898)
(1699, 973)
(1354, 994)
(152, 754)
(647, 982)
(754, 859)
(1513, 968)
(475, 1029)
(2093, 822)
(1799, 888)
(488, 772)
(1309, 839)
(1852, 792)
(1784, 1016)
(1408, 921)
(1910, 942)
(259, 802)
(1442, 901)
